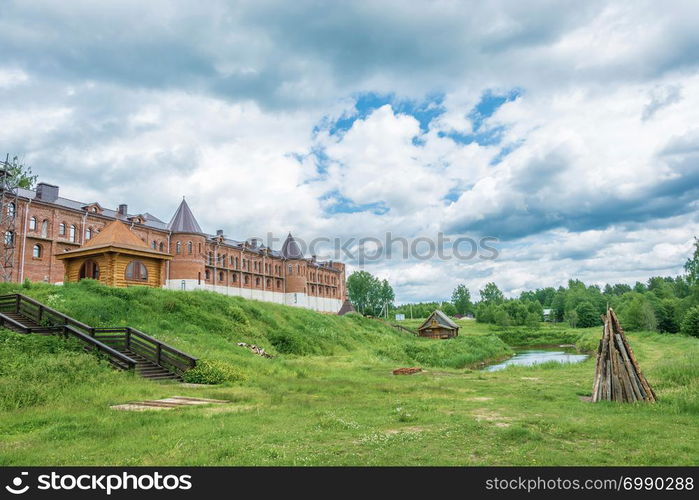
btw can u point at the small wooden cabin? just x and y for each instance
(438, 326)
(116, 257)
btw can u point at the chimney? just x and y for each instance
(219, 232)
(313, 258)
(46, 192)
(123, 209)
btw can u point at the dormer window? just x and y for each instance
(137, 219)
(93, 208)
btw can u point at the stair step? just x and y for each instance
(144, 366)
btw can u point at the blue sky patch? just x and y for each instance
(424, 111)
(343, 205)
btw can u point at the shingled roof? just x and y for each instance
(183, 221)
(291, 249)
(114, 236)
(441, 318)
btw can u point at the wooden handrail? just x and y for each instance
(50, 310)
(16, 324)
(113, 353)
(143, 346)
(163, 345)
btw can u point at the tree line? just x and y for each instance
(665, 304)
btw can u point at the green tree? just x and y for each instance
(638, 314)
(532, 320)
(461, 298)
(20, 173)
(587, 316)
(690, 325)
(368, 294)
(491, 294)
(572, 318)
(692, 265)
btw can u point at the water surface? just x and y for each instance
(533, 356)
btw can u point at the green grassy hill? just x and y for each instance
(328, 397)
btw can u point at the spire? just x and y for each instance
(183, 221)
(291, 249)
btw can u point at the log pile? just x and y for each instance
(407, 371)
(617, 374)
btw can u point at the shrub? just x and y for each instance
(690, 325)
(212, 372)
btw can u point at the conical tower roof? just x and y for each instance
(183, 221)
(291, 249)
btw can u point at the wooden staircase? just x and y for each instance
(124, 347)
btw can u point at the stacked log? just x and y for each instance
(617, 374)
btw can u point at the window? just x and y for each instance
(257, 281)
(32, 224)
(36, 251)
(154, 245)
(206, 275)
(235, 279)
(199, 247)
(291, 269)
(90, 269)
(62, 229)
(9, 238)
(161, 247)
(269, 283)
(45, 229)
(189, 247)
(220, 276)
(11, 209)
(199, 278)
(88, 233)
(136, 271)
(178, 247)
(279, 284)
(247, 279)
(72, 234)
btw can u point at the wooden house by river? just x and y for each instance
(438, 326)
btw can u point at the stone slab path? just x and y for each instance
(167, 404)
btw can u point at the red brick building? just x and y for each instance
(40, 224)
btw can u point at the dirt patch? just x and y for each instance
(482, 398)
(486, 415)
(407, 371)
(529, 378)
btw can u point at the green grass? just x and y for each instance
(328, 397)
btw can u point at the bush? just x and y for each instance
(690, 325)
(212, 372)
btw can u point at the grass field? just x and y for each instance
(328, 397)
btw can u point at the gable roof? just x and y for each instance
(441, 318)
(291, 249)
(183, 221)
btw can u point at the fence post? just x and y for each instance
(158, 350)
(128, 338)
(17, 304)
(40, 314)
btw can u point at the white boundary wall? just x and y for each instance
(322, 304)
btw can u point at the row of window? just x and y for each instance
(135, 271)
(62, 229)
(178, 247)
(246, 279)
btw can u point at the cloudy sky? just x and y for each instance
(568, 130)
